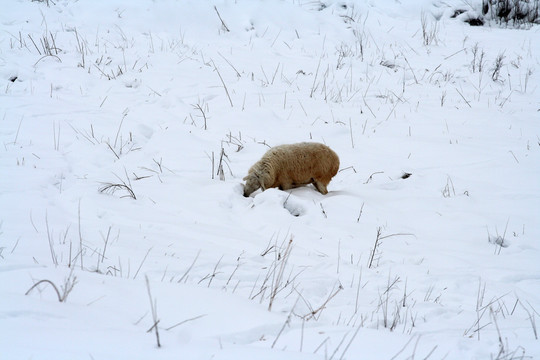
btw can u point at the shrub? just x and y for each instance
(512, 12)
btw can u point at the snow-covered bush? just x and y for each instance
(512, 12)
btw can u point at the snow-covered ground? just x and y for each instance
(127, 127)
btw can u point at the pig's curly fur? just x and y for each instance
(293, 165)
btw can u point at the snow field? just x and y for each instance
(115, 142)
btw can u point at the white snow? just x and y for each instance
(154, 95)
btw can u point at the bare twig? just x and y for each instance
(80, 235)
(153, 307)
(371, 176)
(324, 212)
(220, 19)
(463, 97)
(111, 188)
(278, 270)
(220, 170)
(51, 245)
(315, 78)
(286, 323)
(231, 65)
(213, 274)
(47, 282)
(350, 129)
(189, 268)
(198, 107)
(142, 262)
(360, 214)
(312, 314)
(69, 284)
(223, 82)
(350, 342)
(375, 247)
(185, 321)
(378, 239)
